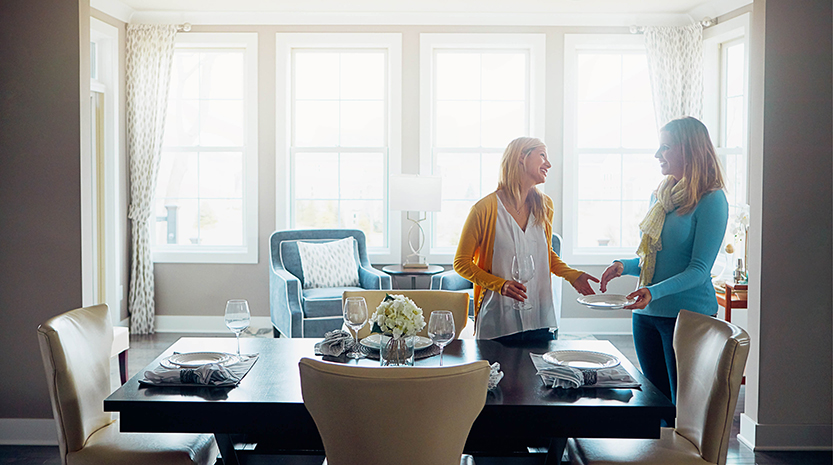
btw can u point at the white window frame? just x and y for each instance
(246, 253)
(534, 44)
(573, 43)
(285, 43)
(714, 76)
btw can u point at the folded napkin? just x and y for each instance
(495, 375)
(212, 374)
(570, 378)
(335, 343)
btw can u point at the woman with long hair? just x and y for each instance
(514, 222)
(681, 236)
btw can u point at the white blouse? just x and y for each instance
(497, 317)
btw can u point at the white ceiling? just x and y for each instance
(493, 12)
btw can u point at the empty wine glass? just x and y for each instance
(523, 268)
(441, 329)
(355, 316)
(237, 317)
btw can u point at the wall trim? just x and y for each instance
(762, 437)
(203, 324)
(28, 432)
(595, 325)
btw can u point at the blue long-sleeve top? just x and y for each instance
(690, 243)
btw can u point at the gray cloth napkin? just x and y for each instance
(212, 374)
(335, 343)
(571, 378)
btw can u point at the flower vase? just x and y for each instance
(396, 351)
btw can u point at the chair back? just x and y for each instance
(428, 300)
(283, 246)
(711, 356)
(75, 347)
(402, 415)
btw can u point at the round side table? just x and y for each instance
(399, 270)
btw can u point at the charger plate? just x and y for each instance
(373, 342)
(198, 359)
(581, 359)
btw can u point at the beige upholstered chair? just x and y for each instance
(75, 347)
(428, 300)
(401, 415)
(711, 356)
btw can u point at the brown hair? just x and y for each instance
(701, 167)
(510, 176)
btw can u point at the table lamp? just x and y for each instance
(413, 193)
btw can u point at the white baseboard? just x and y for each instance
(28, 432)
(595, 325)
(203, 324)
(760, 437)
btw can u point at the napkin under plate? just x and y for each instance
(570, 378)
(212, 374)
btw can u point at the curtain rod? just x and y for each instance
(185, 27)
(706, 22)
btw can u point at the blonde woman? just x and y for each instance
(681, 236)
(515, 220)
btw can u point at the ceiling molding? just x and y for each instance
(114, 8)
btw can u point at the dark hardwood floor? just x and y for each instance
(143, 349)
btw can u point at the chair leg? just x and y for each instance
(275, 333)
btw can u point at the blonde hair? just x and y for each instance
(510, 176)
(701, 167)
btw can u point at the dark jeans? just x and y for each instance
(653, 338)
(533, 335)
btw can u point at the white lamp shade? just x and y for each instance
(415, 193)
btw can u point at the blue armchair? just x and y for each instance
(299, 312)
(451, 281)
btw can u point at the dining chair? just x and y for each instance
(428, 300)
(75, 347)
(402, 415)
(711, 356)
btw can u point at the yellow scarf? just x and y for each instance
(670, 195)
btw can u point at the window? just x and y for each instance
(478, 93)
(610, 138)
(343, 132)
(206, 189)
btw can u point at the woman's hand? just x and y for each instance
(582, 284)
(514, 290)
(642, 296)
(613, 271)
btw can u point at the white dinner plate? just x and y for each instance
(372, 342)
(605, 301)
(581, 359)
(198, 359)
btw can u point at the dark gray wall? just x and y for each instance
(795, 268)
(40, 211)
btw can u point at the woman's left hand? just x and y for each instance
(582, 284)
(642, 296)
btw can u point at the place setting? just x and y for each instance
(571, 369)
(207, 369)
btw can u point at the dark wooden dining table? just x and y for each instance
(267, 404)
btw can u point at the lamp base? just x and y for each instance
(415, 266)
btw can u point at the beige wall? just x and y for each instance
(40, 236)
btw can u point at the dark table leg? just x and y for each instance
(123, 366)
(555, 451)
(226, 446)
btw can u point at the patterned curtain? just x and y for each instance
(150, 52)
(675, 63)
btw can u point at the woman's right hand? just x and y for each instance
(613, 271)
(514, 290)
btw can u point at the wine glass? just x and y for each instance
(355, 316)
(237, 317)
(523, 268)
(441, 329)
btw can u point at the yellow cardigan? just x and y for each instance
(473, 260)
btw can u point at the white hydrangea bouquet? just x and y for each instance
(398, 319)
(397, 316)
